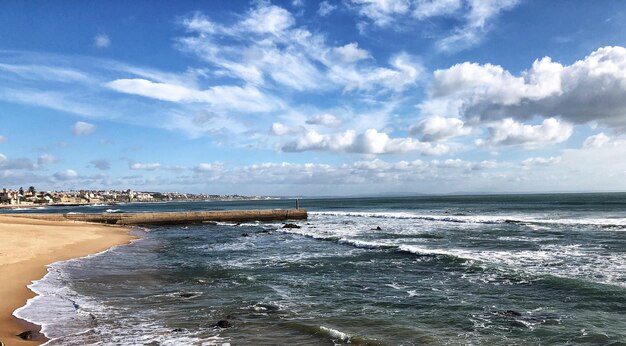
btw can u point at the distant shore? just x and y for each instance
(35, 205)
(27, 246)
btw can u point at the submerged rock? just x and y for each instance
(186, 295)
(290, 225)
(509, 313)
(377, 228)
(178, 330)
(245, 235)
(224, 324)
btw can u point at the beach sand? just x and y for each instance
(27, 246)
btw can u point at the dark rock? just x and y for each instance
(186, 295)
(224, 324)
(290, 225)
(245, 235)
(509, 313)
(153, 343)
(377, 228)
(178, 330)
(28, 335)
(265, 231)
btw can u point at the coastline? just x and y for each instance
(27, 246)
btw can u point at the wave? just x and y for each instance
(556, 260)
(480, 219)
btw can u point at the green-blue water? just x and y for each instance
(454, 270)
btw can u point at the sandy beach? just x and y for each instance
(27, 246)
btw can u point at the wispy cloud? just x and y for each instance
(81, 128)
(102, 41)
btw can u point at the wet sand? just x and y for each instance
(27, 246)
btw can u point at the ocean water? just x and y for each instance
(450, 270)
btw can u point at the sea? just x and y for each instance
(545, 269)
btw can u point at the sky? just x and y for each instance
(309, 98)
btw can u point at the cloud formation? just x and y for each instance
(46, 159)
(475, 17)
(510, 132)
(591, 89)
(81, 128)
(369, 142)
(102, 41)
(436, 128)
(266, 48)
(65, 175)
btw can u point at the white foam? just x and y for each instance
(482, 219)
(335, 334)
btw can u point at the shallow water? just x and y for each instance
(457, 270)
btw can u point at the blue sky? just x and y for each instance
(314, 98)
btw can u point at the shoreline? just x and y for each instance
(28, 246)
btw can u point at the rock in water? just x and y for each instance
(245, 235)
(509, 313)
(27, 335)
(178, 330)
(290, 225)
(224, 324)
(186, 295)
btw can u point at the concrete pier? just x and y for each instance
(174, 217)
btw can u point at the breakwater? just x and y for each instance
(163, 218)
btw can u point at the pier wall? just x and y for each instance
(174, 217)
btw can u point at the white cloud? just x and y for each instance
(53, 100)
(467, 165)
(351, 52)
(475, 17)
(596, 141)
(247, 98)
(541, 161)
(382, 12)
(145, 166)
(2, 157)
(266, 48)
(280, 129)
(82, 128)
(425, 9)
(102, 41)
(43, 72)
(68, 174)
(405, 73)
(476, 23)
(46, 159)
(268, 19)
(326, 8)
(204, 168)
(2, 139)
(438, 128)
(369, 142)
(325, 119)
(589, 90)
(510, 132)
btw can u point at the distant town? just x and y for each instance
(32, 197)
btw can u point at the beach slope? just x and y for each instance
(27, 246)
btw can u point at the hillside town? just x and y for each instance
(31, 197)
